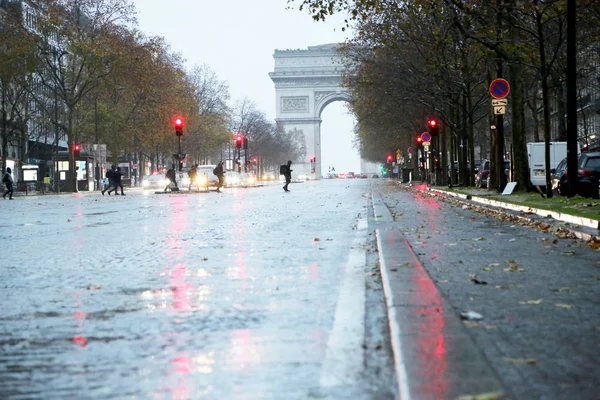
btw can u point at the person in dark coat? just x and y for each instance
(193, 174)
(288, 176)
(220, 174)
(171, 177)
(117, 181)
(7, 179)
(110, 175)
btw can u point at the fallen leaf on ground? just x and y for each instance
(470, 316)
(478, 282)
(483, 396)
(316, 239)
(93, 287)
(531, 301)
(514, 268)
(521, 360)
(486, 269)
(480, 238)
(563, 290)
(561, 305)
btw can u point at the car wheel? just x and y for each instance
(562, 187)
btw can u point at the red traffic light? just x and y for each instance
(76, 147)
(389, 158)
(433, 126)
(238, 141)
(178, 126)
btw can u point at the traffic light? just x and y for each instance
(433, 127)
(245, 143)
(76, 150)
(181, 165)
(238, 141)
(419, 141)
(178, 126)
(389, 158)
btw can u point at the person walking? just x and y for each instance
(193, 174)
(171, 177)
(218, 171)
(7, 179)
(287, 173)
(117, 182)
(110, 175)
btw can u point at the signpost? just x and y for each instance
(499, 89)
(426, 137)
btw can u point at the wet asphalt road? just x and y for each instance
(258, 294)
(249, 294)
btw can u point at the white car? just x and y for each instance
(154, 181)
(205, 177)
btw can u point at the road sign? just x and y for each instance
(499, 88)
(499, 110)
(426, 146)
(398, 153)
(499, 102)
(409, 150)
(426, 136)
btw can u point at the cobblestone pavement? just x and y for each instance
(250, 294)
(538, 293)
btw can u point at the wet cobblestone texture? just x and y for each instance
(539, 294)
(198, 296)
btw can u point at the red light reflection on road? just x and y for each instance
(431, 341)
(180, 288)
(80, 317)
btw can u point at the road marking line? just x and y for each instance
(395, 331)
(343, 363)
(401, 375)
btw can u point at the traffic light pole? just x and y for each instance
(180, 164)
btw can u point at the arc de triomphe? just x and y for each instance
(306, 81)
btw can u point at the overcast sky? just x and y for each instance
(237, 38)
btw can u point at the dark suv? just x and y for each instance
(588, 171)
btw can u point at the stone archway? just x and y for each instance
(306, 81)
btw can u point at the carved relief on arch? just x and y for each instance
(291, 104)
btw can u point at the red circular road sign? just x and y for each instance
(499, 88)
(409, 150)
(426, 137)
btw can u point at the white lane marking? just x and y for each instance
(401, 375)
(343, 362)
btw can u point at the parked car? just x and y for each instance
(558, 177)
(588, 173)
(482, 175)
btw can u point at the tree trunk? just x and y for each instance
(519, 164)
